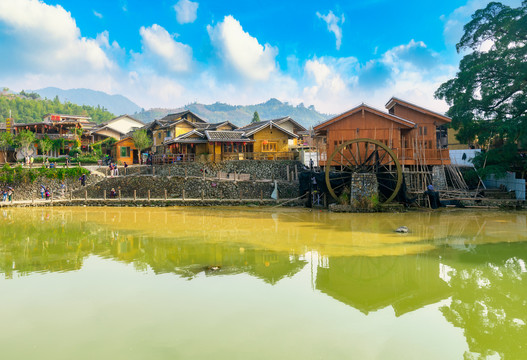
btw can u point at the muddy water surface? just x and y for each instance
(246, 283)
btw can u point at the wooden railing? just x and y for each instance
(285, 155)
(55, 136)
(173, 158)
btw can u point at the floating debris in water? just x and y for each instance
(402, 230)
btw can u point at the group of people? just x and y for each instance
(45, 192)
(7, 194)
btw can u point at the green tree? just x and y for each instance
(256, 118)
(6, 140)
(141, 140)
(24, 141)
(487, 97)
(45, 145)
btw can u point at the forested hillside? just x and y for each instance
(26, 108)
(242, 114)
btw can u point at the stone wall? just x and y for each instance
(363, 190)
(439, 178)
(194, 188)
(29, 190)
(257, 169)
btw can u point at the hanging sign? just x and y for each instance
(8, 124)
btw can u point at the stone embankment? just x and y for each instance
(188, 184)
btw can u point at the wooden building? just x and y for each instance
(416, 135)
(265, 140)
(124, 151)
(117, 128)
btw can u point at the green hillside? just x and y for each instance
(26, 108)
(242, 115)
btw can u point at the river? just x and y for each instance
(252, 283)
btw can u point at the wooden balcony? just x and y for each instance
(408, 156)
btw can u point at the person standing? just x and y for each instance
(62, 188)
(83, 179)
(42, 191)
(10, 194)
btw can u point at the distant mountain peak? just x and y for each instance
(116, 104)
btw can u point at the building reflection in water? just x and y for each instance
(465, 260)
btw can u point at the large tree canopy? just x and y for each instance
(487, 98)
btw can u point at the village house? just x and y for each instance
(269, 140)
(117, 128)
(60, 126)
(417, 136)
(124, 151)
(170, 126)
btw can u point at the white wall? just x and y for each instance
(456, 156)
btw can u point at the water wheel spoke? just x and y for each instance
(365, 156)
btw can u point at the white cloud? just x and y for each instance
(186, 11)
(97, 14)
(40, 38)
(241, 51)
(160, 48)
(333, 22)
(410, 71)
(454, 22)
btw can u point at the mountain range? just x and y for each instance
(116, 104)
(237, 114)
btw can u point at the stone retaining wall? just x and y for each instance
(29, 190)
(194, 188)
(257, 169)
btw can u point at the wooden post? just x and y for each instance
(261, 195)
(153, 170)
(71, 195)
(202, 194)
(125, 171)
(185, 173)
(119, 194)
(183, 194)
(104, 194)
(325, 201)
(166, 190)
(148, 194)
(288, 174)
(296, 173)
(106, 172)
(85, 194)
(135, 194)
(240, 194)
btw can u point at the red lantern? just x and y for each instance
(265, 142)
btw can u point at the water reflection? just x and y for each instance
(475, 260)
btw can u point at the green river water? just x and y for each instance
(249, 283)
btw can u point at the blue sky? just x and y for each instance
(332, 54)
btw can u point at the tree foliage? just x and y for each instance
(24, 141)
(45, 145)
(141, 140)
(256, 118)
(29, 108)
(487, 98)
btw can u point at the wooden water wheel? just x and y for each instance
(364, 156)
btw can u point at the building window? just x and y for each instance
(159, 135)
(125, 151)
(269, 147)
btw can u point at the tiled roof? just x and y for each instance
(222, 136)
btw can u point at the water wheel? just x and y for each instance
(364, 156)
